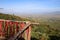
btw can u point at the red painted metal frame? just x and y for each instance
(9, 25)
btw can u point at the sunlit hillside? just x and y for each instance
(48, 28)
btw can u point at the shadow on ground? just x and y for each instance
(54, 37)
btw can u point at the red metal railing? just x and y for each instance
(9, 28)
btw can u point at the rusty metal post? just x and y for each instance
(2, 34)
(22, 24)
(28, 32)
(0, 28)
(16, 27)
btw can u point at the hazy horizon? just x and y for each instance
(29, 6)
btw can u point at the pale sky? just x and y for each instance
(29, 6)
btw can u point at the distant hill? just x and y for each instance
(12, 17)
(9, 17)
